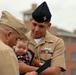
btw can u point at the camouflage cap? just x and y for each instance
(11, 21)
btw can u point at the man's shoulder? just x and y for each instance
(49, 35)
(53, 37)
(56, 38)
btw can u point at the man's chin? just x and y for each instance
(37, 37)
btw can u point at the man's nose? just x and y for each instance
(36, 28)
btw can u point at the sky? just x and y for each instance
(63, 11)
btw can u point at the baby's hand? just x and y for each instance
(35, 62)
(31, 73)
(40, 64)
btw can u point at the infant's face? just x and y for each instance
(21, 47)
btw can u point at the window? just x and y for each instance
(74, 40)
(27, 17)
(73, 72)
(65, 40)
(74, 56)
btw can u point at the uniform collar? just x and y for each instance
(30, 38)
(47, 38)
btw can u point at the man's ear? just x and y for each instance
(49, 25)
(30, 19)
(8, 34)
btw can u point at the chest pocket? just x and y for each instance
(45, 54)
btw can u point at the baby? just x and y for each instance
(22, 51)
(24, 54)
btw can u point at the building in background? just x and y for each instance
(27, 15)
(69, 40)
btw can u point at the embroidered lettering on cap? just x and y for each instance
(42, 13)
(44, 18)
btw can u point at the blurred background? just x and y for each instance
(63, 11)
(63, 22)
